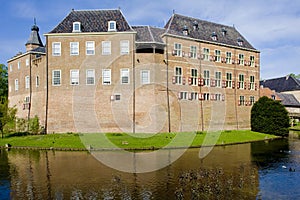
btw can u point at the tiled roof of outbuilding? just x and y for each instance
(148, 34)
(288, 100)
(282, 84)
(225, 34)
(92, 21)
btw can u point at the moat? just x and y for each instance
(260, 170)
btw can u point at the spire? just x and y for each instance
(34, 40)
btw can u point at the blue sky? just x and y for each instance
(271, 26)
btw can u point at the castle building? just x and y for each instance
(97, 73)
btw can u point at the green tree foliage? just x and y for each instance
(269, 116)
(3, 81)
(294, 75)
(7, 114)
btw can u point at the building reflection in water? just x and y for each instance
(227, 172)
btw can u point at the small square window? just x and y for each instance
(76, 27)
(112, 26)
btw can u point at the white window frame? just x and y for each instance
(218, 78)
(56, 80)
(19, 64)
(242, 100)
(206, 78)
(106, 47)
(16, 84)
(56, 48)
(193, 52)
(228, 57)
(74, 77)
(124, 75)
(251, 100)
(217, 55)
(252, 82)
(124, 47)
(90, 77)
(74, 48)
(241, 59)
(178, 75)
(90, 47)
(10, 68)
(194, 76)
(178, 49)
(76, 27)
(241, 81)
(27, 62)
(145, 79)
(252, 61)
(206, 54)
(228, 80)
(112, 26)
(106, 76)
(27, 82)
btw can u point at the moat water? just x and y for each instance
(261, 170)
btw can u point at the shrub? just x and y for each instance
(269, 116)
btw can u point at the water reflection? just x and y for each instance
(231, 172)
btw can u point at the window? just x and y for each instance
(16, 85)
(145, 77)
(90, 77)
(206, 81)
(193, 52)
(116, 97)
(90, 48)
(242, 100)
(241, 59)
(241, 81)
(214, 36)
(217, 55)
(19, 65)
(56, 48)
(252, 84)
(218, 97)
(229, 80)
(124, 45)
(74, 48)
(56, 77)
(106, 76)
(228, 57)
(218, 76)
(76, 27)
(106, 48)
(252, 100)
(178, 75)
(178, 49)
(193, 96)
(27, 82)
(10, 68)
(124, 76)
(27, 62)
(74, 77)
(205, 54)
(182, 95)
(252, 61)
(240, 41)
(112, 26)
(206, 96)
(194, 77)
(37, 81)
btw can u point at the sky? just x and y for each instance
(271, 26)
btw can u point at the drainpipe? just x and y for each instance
(47, 87)
(133, 82)
(200, 91)
(30, 91)
(168, 98)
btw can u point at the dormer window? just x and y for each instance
(185, 30)
(214, 36)
(76, 27)
(224, 31)
(240, 41)
(195, 25)
(112, 26)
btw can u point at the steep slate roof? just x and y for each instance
(34, 37)
(205, 30)
(282, 84)
(288, 100)
(39, 50)
(92, 21)
(148, 34)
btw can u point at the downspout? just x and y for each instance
(30, 91)
(133, 83)
(168, 98)
(200, 90)
(47, 87)
(235, 91)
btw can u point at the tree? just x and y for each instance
(295, 76)
(3, 81)
(269, 116)
(7, 114)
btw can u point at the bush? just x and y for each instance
(269, 116)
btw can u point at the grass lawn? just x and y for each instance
(142, 141)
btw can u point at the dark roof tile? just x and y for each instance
(282, 84)
(288, 100)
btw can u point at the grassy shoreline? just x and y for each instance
(126, 141)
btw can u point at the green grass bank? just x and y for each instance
(137, 141)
